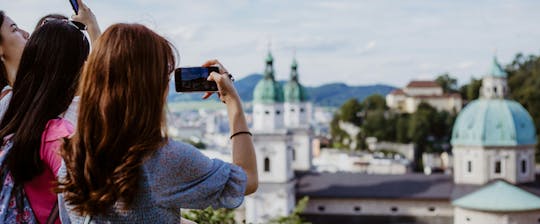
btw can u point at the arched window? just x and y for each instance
(293, 154)
(266, 164)
(469, 166)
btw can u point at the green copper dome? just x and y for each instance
(499, 196)
(293, 90)
(494, 122)
(268, 91)
(497, 70)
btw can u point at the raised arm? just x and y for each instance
(242, 143)
(87, 17)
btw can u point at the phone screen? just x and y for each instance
(75, 6)
(194, 79)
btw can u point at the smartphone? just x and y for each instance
(75, 6)
(194, 79)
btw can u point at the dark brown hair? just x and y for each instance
(44, 89)
(121, 118)
(49, 16)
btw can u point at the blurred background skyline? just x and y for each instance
(356, 42)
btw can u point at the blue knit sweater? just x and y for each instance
(177, 176)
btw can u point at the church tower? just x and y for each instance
(297, 110)
(275, 195)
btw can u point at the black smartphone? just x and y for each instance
(194, 79)
(75, 6)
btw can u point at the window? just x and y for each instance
(266, 164)
(431, 209)
(523, 166)
(278, 112)
(266, 112)
(293, 154)
(292, 110)
(301, 110)
(321, 208)
(468, 219)
(469, 166)
(498, 167)
(357, 208)
(394, 209)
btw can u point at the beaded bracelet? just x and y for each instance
(241, 132)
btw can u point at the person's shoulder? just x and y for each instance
(58, 128)
(176, 151)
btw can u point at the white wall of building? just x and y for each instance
(270, 201)
(267, 117)
(301, 149)
(379, 207)
(465, 216)
(493, 87)
(483, 164)
(423, 91)
(297, 114)
(274, 157)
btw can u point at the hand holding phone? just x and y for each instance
(194, 79)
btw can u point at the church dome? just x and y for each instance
(494, 122)
(268, 91)
(294, 91)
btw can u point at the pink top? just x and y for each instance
(40, 189)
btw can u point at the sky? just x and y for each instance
(351, 41)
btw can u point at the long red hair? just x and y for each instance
(121, 118)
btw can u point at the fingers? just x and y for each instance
(210, 63)
(215, 62)
(207, 94)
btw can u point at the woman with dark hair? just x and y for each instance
(12, 41)
(120, 165)
(43, 90)
(14, 45)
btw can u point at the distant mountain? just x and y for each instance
(333, 94)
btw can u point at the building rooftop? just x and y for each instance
(499, 196)
(352, 185)
(422, 84)
(415, 186)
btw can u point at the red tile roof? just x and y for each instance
(397, 92)
(423, 84)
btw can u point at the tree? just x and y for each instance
(210, 216)
(374, 102)
(350, 112)
(376, 125)
(448, 83)
(402, 125)
(524, 80)
(293, 218)
(471, 91)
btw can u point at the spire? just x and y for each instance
(494, 84)
(294, 70)
(497, 70)
(269, 71)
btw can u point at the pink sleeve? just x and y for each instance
(51, 141)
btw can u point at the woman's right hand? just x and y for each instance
(87, 17)
(226, 91)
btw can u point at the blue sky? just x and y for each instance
(351, 41)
